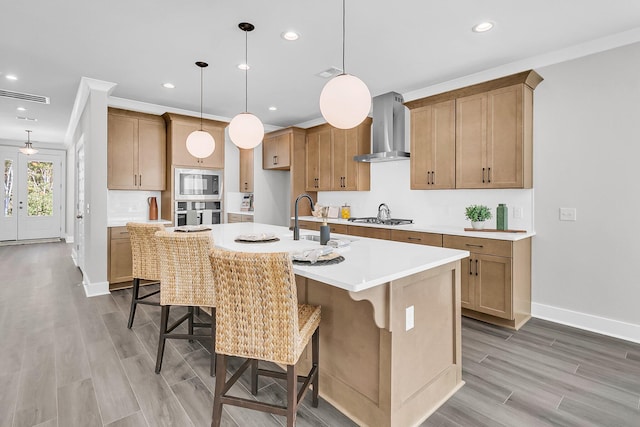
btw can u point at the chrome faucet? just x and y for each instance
(384, 213)
(296, 226)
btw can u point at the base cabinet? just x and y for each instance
(496, 279)
(233, 217)
(119, 263)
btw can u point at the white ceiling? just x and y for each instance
(139, 44)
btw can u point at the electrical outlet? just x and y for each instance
(567, 214)
(517, 213)
(409, 322)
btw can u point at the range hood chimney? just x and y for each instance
(388, 130)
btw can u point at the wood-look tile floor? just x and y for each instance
(67, 360)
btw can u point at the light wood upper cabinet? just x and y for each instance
(246, 171)
(433, 146)
(493, 135)
(136, 151)
(330, 152)
(490, 139)
(276, 151)
(318, 154)
(178, 129)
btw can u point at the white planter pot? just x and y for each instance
(477, 225)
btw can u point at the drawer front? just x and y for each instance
(417, 237)
(119, 233)
(374, 233)
(247, 218)
(338, 228)
(234, 218)
(478, 245)
(310, 225)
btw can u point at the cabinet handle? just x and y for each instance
(473, 246)
(135, 180)
(433, 177)
(489, 174)
(483, 175)
(275, 160)
(140, 180)
(470, 267)
(428, 177)
(476, 267)
(414, 238)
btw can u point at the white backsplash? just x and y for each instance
(233, 201)
(130, 205)
(390, 184)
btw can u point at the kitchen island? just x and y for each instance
(390, 331)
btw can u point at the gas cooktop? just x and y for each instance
(375, 220)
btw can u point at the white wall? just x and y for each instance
(586, 150)
(130, 205)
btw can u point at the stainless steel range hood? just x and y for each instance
(388, 130)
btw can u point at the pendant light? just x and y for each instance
(345, 100)
(200, 143)
(28, 148)
(246, 130)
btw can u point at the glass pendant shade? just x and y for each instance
(345, 101)
(28, 149)
(246, 131)
(200, 144)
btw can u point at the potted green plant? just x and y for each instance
(477, 214)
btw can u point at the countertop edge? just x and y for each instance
(450, 230)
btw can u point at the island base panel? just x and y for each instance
(384, 375)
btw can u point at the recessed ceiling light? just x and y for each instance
(244, 66)
(169, 85)
(290, 35)
(21, 109)
(482, 27)
(11, 77)
(273, 108)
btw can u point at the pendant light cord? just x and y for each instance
(343, 37)
(201, 90)
(246, 72)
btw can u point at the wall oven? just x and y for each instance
(198, 184)
(196, 213)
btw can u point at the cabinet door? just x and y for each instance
(471, 141)
(433, 146)
(339, 141)
(312, 162)
(181, 157)
(231, 218)
(467, 288)
(122, 153)
(152, 152)
(246, 171)
(505, 138)
(283, 145)
(269, 152)
(493, 285)
(325, 163)
(215, 160)
(120, 261)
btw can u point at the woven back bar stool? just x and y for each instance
(259, 318)
(186, 279)
(145, 264)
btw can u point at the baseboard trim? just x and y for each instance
(94, 289)
(589, 322)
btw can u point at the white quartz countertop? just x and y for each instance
(121, 222)
(368, 262)
(441, 229)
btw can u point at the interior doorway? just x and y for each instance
(33, 194)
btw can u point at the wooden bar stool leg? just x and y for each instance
(221, 368)
(134, 301)
(292, 395)
(315, 360)
(213, 343)
(254, 377)
(164, 320)
(190, 321)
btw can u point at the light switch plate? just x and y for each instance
(567, 214)
(409, 323)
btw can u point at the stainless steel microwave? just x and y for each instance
(198, 184)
